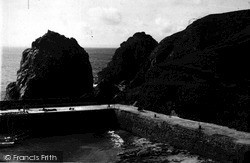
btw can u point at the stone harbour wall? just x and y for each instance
(209, 140)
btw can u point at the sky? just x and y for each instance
(103, 23)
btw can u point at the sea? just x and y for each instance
(11, 58)
(114, 146)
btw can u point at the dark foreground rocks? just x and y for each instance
(54, 67)
(201, 73)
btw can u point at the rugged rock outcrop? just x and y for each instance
(201, 72)
(54, 67)
(128, 60)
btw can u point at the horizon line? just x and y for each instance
(88, 47)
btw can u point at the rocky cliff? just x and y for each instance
(126, 64)
(128, 58)
(54, 67)
(201, 72)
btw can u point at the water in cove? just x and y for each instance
(109, 146)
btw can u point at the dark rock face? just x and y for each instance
(12, 91)
(128, 59)
(203, 72)
(126, 66)
(54, 67)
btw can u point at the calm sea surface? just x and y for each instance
(11, 57)
(106, 147)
